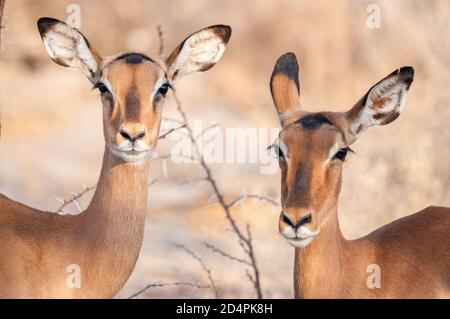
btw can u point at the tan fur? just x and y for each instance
(124, 78)
(37, 247)
(283, 85)
(412, 264)
(413, 252)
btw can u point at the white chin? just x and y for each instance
(299, 242)
(131, 157)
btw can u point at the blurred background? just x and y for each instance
(52, 142)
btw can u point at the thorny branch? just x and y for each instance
(160, 285)
(243, 197)
(245, 240)
(67, 202)
(212, 284)
(206, 269)
(77, 196)
(164, 135)
(226, 255)
(206, 129)
(161, 41)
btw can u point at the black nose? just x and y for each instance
(132, 137)
(304, 220)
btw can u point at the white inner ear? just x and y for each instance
(68, 46)
(199, 50)
(386, 97)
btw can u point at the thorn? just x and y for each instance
(78, 206)
(59, 199)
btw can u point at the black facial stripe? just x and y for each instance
(132, 105)
(299, 194)
(133, 58)
(313, 121)
(145, 57)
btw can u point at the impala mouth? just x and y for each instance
(299, 238)
(132, 155)
(299, 242)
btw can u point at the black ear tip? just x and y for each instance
(223, 31)
(46, 23)
(287, 64)
(407, 74)
(287, 59)
(407, 71)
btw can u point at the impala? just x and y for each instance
(411, 254)
(38, 250)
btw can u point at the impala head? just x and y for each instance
(132, 85)
(312, 146)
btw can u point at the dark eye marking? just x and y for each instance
(342, 153)
(278, 152)
(164, 88)
(101, 87)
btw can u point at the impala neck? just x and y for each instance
(113, 224)
(122, 190)
(318, 266)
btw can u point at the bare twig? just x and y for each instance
(169, 119)
(153, 182)
(206, 129)
(206, 168)
(77, 196)
(161, 41)
(256, 278)
(244, 241)
(74, 198)
(160, 285)
(226, 255)
(2, 5)
(205, 269)
(243, 197)
(164, 135)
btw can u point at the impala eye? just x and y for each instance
(341, 154)
(163, 89)
(278, 151)
(102, 88)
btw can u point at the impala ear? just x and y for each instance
(285, 85)
(198, 52)
(382, 104)
(68, 47)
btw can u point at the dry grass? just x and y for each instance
(52, 140)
